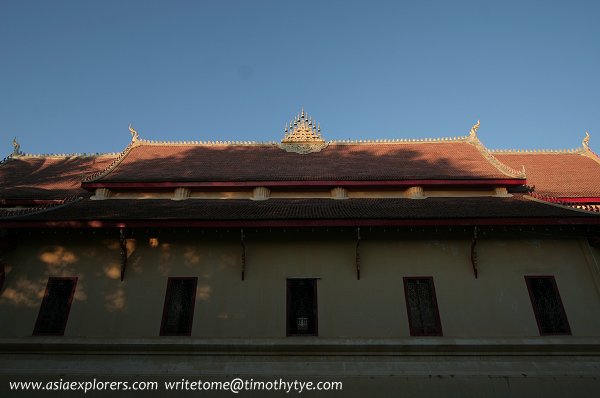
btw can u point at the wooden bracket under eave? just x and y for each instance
(243, 254)
(474, 252)
(357, 257)
(2, 275)
(123, 245)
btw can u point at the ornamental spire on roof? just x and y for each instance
(303, 135)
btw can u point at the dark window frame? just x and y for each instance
(315, 308)
(190, 323)
(412, 328)
(39, 327)
(537, 311)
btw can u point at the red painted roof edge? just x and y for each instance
(579, 200)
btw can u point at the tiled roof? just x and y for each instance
(47, 177)
(559, 174)
(267, 162)
(123, 210)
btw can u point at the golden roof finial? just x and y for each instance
(303, 136)
(16, 147)
(473, 132)
(134, 134)
(586, 141)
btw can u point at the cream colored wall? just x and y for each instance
(282, 193)
(494, 305)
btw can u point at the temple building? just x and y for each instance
(412, 267)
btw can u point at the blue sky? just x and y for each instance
(74, 74)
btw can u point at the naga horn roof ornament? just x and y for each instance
(586, 141)
(474, 129)
(16, 147)
(134, 134)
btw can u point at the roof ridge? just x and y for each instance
(504, 168)
(17, 153)
(6, 159)
(537, 151)
(99, 174)
(204, 142)
(554, 201)
(331, 142)
(584, 150)
(4, 213)
(402, 140)
(64, 155)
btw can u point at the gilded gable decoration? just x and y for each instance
(303, 135)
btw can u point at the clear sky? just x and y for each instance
(74, 74)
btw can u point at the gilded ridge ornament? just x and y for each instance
(303, 135)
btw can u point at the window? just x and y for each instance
(54, 311)
(302, 307)
(421, 306)
(547, 305)
(178, 311)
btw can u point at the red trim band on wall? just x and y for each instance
(296, 184)
(300, 223)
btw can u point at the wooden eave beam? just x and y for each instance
(123, 251)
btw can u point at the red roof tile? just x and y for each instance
(558, 174)
(338, 162)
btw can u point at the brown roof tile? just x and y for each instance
(341, 162)
(47, 177)
(306, 209)
(558, 174)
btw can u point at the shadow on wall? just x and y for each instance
(57, 262)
